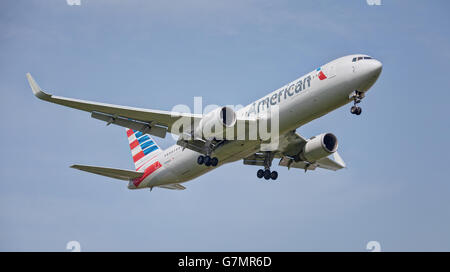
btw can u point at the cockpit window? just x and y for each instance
(360, 58)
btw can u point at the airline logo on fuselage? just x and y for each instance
(285, 92)
(320, 74)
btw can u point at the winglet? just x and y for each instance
(36, 89)
(339, 160)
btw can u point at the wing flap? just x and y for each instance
(110, 172)
(326, 163)
(254, 159)
(290, 163)
(145, 128)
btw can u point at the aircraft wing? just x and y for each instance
(153, 122)
(291, 144)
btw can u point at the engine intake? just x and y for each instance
(319, 147)
(215, 123)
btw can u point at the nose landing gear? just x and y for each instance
(355, 110)
(357, 96)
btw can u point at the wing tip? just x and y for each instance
(339, 160)
(37, 91)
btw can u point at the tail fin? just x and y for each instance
(143, 147)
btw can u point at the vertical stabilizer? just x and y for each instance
(143, 148)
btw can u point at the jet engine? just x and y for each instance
(319, 147)
(215, 123)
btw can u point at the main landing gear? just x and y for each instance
(266, 173)
(357, 97)
(207, 160)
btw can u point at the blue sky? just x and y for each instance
(156, 54)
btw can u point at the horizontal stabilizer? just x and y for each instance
(110, 172)
(174, 186)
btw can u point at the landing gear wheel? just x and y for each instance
(356, 110)
(357, 97)
(214, 161)
(260, 173)
(267, 174)
(207, 160)
(274, 175)
(200, 159)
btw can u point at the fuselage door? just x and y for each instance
(331, 71)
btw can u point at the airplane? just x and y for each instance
(331, 86)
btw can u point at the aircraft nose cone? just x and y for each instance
(375, 68)
(369, 72)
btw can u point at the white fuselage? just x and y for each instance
(296, 107)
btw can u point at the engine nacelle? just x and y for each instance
(215, 123)
(319, 147)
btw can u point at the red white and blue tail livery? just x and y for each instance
(143, 148)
